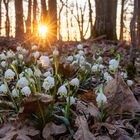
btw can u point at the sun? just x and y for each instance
(43, 29)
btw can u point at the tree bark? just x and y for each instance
(7, 22)
(43, 12)
(34, 16)
(19, 33)
(28, 21)
(138, 24)
(0, 15)
(121, 22)
(52, 12)
(105, 22)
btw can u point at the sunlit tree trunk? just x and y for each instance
(19, 32)
(121, 22)
(43, 11)
(34, 16)
(67, 21)
(7, 22)
(52, 12)
(28, 21)
(105, 22)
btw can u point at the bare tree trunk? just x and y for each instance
(105, 22)
(43, 11)
(34, 16)
(7, 22)
(90, 16)
(121, 22)
(52, 12)
(0, 16)
(138, 24)
(28, 21)
(19, 33)
(133, 31)
(67, 22)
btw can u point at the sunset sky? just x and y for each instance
(74, 32)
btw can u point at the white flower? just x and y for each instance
(100, 59)
(72, 100)
(21, 74)
(26, 91)
(19, 48)
(77, 56)
(29, 72)
(62, 90)
(48, 83)
(20, 56)
(9, 74)
(2, 56)
(101, 67)
(101, 98)
(46, 74)
(37, 72)
(14, 62)
(107, 76)
(36, 54)
(80, 46)
(32, 80)
(81, 52)
(45, 60)
(34, 47)
(82, 60)
(69, 59)
(3, 88)
(10, 54)
(129, 83)
(22, 82)
(55, 52)
(75, 63)
(4, 64)
(75, 82)
(95, 68)
(124, 75)
(15, 93)
(113, 64)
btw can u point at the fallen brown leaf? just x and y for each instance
(83, 132)
(53, 129)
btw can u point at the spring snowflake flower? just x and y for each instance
(14, 62)
(4, 64)
(95, 68)
(82, 60)
(62, 90)
(20, 56)
(75, 63)
(101, 98)
(124, 75)
(2, 56)
(80, 46)
(72, 100)
(10, 54)
(69, 59)
(37, 72)
(81, 52)
(9, 74)
(75, 82)
(55, 52)
(113, 64)
(36, 54)
(107, 76)
(99, 59)
(48, 83)
(101, 67)
(21, 74)
(3, 88)
(29, 72)
(26, 91)
(129, 83)
(34, 47)
(46, 74)
(22, 82)
(45, 60)
(15, 93)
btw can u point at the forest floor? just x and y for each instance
(81, 91)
